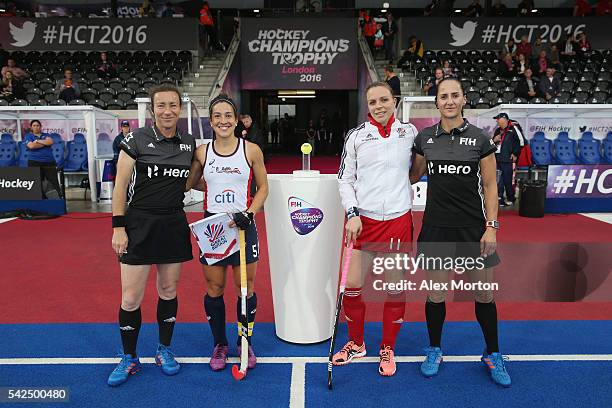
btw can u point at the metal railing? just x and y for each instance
(367, 55)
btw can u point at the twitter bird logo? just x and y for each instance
(23, 36)
(462, 35)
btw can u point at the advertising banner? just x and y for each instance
(103, 34)
(18, 183)
(300, 53)
(492, 33)
(580, 181)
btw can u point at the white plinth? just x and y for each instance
(304, 267)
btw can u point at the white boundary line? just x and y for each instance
(6, 220)
(297, 393)
(305, 360)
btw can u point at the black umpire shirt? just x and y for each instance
(454, 184)
(161, 169)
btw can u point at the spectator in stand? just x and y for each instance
(415, 50)
(524, 8)
(168, 11)
(555, 60)
(11, 88)
(4, 56)
(369, 30)
(568, 48)
(604, 8)
(524, 47)
(431, 87)
(379, 39)
(389, 30)
(507, 69)
(394, 82)
(147, 10)
(549, 86)
(498, 9)
(582, 8)
(538, 46)
(105, 68)
(541, 64)
(474, 9)
(526, 87)
(41, 155)
(521, 64)
(18, 73)
(584, 46)
(447, 69)
(431, 8)
(67, 87)
(274, 131)
(125, 129)
(208, 30)
(509, 48)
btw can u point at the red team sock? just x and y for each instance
(354, 310)
(393, 317)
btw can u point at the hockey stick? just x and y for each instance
(237, 373)
(345, 267)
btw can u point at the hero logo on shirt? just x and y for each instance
(155, 171)
(304, 216)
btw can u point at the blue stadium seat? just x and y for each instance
(59, 152)
(77, 157)
(541, 149)
(589, 149)
(7, 154)
(607, 148)
(24, 154)
(56, 137)
(565, 149)
(79, 138)
(6, 137)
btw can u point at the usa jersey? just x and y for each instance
(228, 180)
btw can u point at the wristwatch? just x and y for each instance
(493, 224)
(352, 212)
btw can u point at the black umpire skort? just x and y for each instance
(442, 242)
(156, 237)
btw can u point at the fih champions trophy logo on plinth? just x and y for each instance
(305, 217)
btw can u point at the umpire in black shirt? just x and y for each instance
(509, 140)
(153, 168)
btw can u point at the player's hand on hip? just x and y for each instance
(353, 229)
(488, 242)
(120, 241)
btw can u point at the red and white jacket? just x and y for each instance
(374, 169)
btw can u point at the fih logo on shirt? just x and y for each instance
(305, 217)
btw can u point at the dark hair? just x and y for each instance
(219, 99)
(377, 84)
(389, 68)
(449, 78)
(35, 121)
(165, 88)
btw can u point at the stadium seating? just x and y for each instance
(135, 71)
(7, 154)
(565, 149)
(607, 148)
(589, 149)
(77, 155)
(541, 149)
(583, 80)
(24, 154)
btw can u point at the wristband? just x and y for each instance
(118, 221)
(352, 212)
